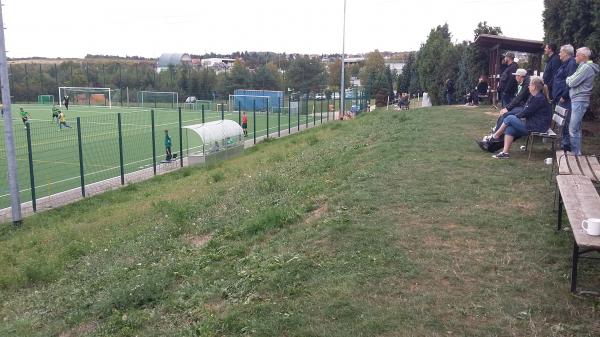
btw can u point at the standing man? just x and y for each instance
(580, 84)
(66, 101)
(24, 116)
(560, 90)
(168, 144)
(508, 84)
(245, 124)
(449, 91)
(552, 65)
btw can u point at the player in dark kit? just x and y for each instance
(66, 101)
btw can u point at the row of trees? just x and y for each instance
(300, 74)
(439, 59)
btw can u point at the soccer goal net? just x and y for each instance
(259, 100)
(45, 99)
(198, 105)
(250, 103)
(86, 96)
(158, 99)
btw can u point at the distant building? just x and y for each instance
(397, 66)
(172, 59)
(218, 64)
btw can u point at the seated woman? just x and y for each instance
(537, 113)
(480, 90)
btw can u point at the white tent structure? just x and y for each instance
(218, 140)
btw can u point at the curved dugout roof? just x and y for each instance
(216, 131)
(172, 59)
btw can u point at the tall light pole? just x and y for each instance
(11, 159)
(342, 89)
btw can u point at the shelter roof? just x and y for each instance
(509, 43)
(216, 130)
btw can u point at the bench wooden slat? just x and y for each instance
(584, 167)
(581, 201)
(594, 166)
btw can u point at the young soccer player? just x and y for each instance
(55, 112)
(62, 121)
(245, 123)
(24, 116)
(168, 144)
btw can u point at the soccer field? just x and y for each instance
(55, 152)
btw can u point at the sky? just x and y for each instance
(74, 28)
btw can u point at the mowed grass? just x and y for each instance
(56, 154)
(392, 224)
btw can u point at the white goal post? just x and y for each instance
(85, 96)
(151, 98)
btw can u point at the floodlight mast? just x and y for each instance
(342, 89)
(11, 159)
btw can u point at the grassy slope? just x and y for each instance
(394, 224)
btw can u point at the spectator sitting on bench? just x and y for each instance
(518, 103)
(537, 113)
(480, 90)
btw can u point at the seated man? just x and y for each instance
(480, 90)
(518, 103)
(537, 113)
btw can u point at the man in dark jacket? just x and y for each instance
(507, 85)
(449, 91)
(560, 90)
(552, 65)
(537, 113)
(517, 104)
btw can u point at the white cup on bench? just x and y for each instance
(591, 226)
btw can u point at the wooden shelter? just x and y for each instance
(497, 45)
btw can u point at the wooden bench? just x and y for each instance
(570, 164)
(578, 195)
(558, 120)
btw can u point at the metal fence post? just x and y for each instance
(202, 113)
(314, 115)
(81, 173)
(290, 114)
(121, 163)
(181, 139)
(267, 119)
(153, 141)
(279, 118)
(328, 109)
(222, 111)
(240, 113)
(254, 119)
(31, 176)
(306, 120)
(299, 109)
(321, 111)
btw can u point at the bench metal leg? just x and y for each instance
(574, 267)
(530, 146)
(560, 211)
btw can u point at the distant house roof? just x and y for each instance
(509, 43)
(167, 59)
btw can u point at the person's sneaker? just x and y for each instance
(501, 155)
(482, 144)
